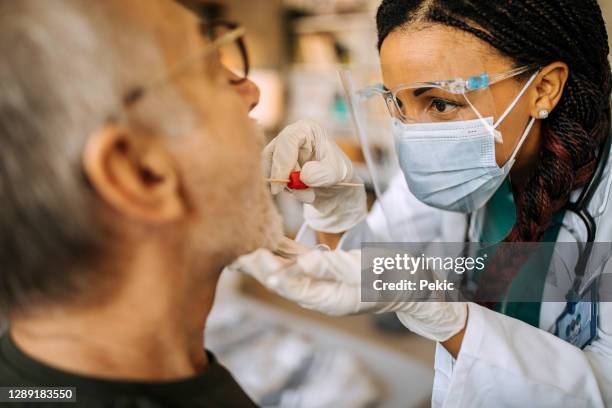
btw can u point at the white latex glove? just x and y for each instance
(304, 146)
(330, 282)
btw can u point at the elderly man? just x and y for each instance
(129, 176)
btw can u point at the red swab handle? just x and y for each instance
(295, 183)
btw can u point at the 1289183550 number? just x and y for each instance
(37, 394)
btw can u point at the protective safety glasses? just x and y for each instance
(444, 100)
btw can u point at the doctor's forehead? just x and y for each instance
(435, 52)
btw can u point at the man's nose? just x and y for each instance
(249, 92)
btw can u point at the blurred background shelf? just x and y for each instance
(404, 343)
(399, 364)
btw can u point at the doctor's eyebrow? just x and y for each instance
(417, 92)
(421, 91)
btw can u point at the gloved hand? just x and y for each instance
(304, 147)
(330, 282)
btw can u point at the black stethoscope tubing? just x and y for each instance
(579, 208)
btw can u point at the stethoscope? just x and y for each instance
(575, 296)
(578, 322)
(579, 207)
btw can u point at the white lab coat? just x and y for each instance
(504, 362)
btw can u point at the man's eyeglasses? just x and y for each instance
(225, 40)
(233, 55)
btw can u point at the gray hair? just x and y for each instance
(60, 77)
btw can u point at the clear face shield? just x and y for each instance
(431, 143)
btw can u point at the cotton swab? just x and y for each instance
(339, 184)
(295, 183)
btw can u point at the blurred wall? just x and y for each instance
(265, 32)
(267, 47)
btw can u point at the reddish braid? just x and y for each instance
(535, 32)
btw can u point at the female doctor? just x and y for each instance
(496, 105)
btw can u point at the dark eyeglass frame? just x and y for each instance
(207, 28)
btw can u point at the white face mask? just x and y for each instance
(451, 165)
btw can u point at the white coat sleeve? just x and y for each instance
(505, 362)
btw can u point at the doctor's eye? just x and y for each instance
(443, 105)
(400, 104)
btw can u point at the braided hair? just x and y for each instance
(536, 32)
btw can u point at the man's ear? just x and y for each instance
(134, 174)
(549, 86)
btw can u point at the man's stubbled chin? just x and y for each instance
(267, 225)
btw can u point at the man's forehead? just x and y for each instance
(173, 27)
(161, 16)
(197, 7)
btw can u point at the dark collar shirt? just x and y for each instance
(213, 387)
